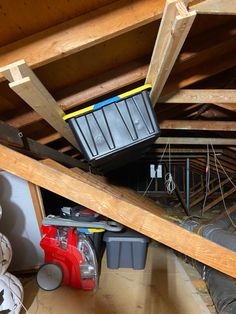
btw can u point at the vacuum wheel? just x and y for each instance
(49, 276)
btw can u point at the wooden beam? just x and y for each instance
(82, 32)
(12, 137)
(175, 25)
(200, 96)
(136, 71)
(219, 199)
(115, 203)
(196, 141)
(25, 84)
(216, 7)
(201, 198)
(198, 125)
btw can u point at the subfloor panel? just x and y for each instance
(163, 288)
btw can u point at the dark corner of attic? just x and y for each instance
(117, 157)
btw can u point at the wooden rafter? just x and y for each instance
(201, 96)
(82, 32)
(201, 198)
(198, 125)
(25, 83)
(120, 205)
(175, 25)
(13, 137)
(110, 81)
(215, 7)
(196, 141)
(219, 199)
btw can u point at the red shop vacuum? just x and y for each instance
(70, 255)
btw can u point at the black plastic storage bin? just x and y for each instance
(126, 249)
(117, 130)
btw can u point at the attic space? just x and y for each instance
(118, 156)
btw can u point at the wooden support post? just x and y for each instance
(219, 199)
(130, 210)
(175, 25)
(24, 83)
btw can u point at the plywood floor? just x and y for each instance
(162, 288)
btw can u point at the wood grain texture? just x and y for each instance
(201, 96)
(135, 214)
(216, 7)
(82, 32)
(172, 33)
(27, 86)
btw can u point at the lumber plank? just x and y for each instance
(216, 7)
(123, 76)
(138, 217)
(82, 32)
(196, 141)
(198, 125)
(201, 198)
(219, 199)
(172, 33)
(13, 137)
(200, 96)
(25, 84)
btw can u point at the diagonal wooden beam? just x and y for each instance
(219, 199)
(25, 83)
(198, 125)
(13, 137)
(200, 96)
(175, 25)
(201, 198)
(216, 7)
(117, 204)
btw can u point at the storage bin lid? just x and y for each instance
(107, 102)
(125, 236)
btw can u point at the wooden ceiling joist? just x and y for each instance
(196, 141)
(201, 96)
(82, 32)
(215, 7)
(175, 25)
(117, 204)
(198, 125)
(25, 84)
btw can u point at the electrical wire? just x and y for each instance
(208, 176)
(145, 192)
(169, 182)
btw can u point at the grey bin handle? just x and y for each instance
(108, 225)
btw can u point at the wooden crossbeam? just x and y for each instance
(25, 83)
(219, 199)
(200, 96)
(198, 125)
(116, 203)
(196, 141)
(201, 198)
(216, 7)
(110, 81)
(175, 25)
(13, 137)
